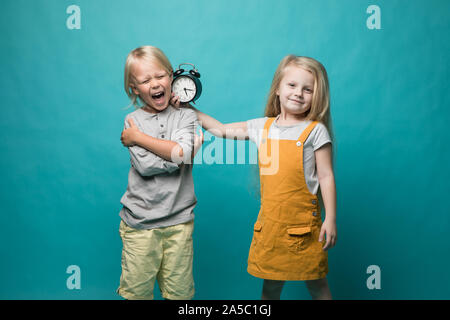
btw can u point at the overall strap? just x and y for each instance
(267, 125)
(306, 132)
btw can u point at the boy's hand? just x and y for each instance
(328, 229)
(129, 135)
(175, 100)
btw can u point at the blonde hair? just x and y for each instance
(148, 54)
(320, 105)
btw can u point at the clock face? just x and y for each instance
(185, 88)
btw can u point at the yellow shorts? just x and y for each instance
(164, 254)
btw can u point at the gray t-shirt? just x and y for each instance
(318, 137)
(160, 193)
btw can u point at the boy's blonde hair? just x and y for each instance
(320, 105)
(146, 54)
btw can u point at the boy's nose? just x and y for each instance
(154, 83)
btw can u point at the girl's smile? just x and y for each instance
(296, 101)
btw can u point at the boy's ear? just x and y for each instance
(133, 88)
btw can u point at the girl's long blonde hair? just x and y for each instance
(144, 53)
(320, 105)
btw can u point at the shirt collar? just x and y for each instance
(163, 113)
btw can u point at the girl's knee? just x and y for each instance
(319, 289)
(272, 289)
(273, 284)
(317, 283)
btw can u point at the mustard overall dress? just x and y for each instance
(285, 244)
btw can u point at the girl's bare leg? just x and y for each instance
(319, 289)
(272, 289)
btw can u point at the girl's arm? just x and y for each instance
(328, 188)
(235, 130)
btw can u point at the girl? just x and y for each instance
(295, 161)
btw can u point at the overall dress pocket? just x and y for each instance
(298, 238)
(263, 236)
(256, 233)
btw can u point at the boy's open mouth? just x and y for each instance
(158, 95)
(159, 98)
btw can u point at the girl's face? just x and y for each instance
(153, 85)
(296, 90)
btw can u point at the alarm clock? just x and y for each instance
(186, 84)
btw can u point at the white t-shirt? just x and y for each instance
(318, 137)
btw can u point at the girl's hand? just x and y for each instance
(129, 135)
(328, 229)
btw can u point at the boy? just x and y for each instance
(157, 214)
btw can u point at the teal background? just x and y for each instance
(64, 170)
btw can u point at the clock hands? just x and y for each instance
(185, 90)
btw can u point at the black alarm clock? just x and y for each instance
(186, 84)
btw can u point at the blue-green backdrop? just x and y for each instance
(63, 168)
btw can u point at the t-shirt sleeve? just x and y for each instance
(255, 128)
(185, 132)
(320, 137)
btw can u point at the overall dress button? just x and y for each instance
(314, 213)
(298, 143)
(314, 202)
